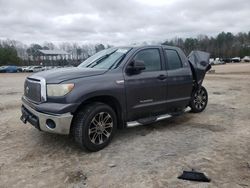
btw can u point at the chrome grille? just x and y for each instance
(32, 90)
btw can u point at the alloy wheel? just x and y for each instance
(200, 99)
(100, 128)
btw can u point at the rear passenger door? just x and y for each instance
(179, 79)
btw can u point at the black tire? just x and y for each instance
(89, 131)
(199, 100)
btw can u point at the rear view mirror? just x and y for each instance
(136, 66)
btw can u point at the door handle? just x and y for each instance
(162, 77)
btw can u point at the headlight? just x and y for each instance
(57, 90)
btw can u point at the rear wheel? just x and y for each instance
(199, 100)
(94, 126)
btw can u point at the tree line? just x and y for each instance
(8, 54)
(224, 45)
(17, 53)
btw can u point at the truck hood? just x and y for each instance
(199, 62)
(64, 74)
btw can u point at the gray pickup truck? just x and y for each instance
(115, 88)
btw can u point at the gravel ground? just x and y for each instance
(215, 142)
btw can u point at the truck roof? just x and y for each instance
(153, 46)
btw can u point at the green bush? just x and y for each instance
(8, 56)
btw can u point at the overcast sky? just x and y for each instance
(119, 21)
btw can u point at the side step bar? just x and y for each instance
(158, 118)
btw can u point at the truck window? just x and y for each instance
(173, 60)
(151, 58)
(105, 59)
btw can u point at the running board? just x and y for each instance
(158, 118)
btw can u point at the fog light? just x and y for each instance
(50, 124)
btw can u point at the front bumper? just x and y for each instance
(41, 120)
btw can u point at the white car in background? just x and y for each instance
(23, 68)
(216, 61)
(36, 69)
(246, 59)
(236, 59)
(26, 69)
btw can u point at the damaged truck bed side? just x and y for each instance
(115, 88)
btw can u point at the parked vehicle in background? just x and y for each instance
(29, 69)
(211, 61)
(39, 68)
(113, 89)
(236, 59)
(3, 69)
(246, 59)
(226, 60)
(36, 69)
(8, 69)
(26, 69)
(46, 68)
(216, 61)
(19, 69)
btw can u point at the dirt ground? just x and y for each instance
(216, 142)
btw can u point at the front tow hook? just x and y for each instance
(24, 119)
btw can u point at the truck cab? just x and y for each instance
(116, 88)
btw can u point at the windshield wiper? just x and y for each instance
(96, 62)
(117, 62)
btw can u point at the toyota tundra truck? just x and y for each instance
(116, 88)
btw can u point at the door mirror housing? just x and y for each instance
(136, 66)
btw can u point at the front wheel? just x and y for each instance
(94, 126)
(199, 100)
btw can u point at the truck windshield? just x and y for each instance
(105, 59)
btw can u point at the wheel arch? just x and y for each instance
(108, 100)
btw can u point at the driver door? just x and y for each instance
(146, 91)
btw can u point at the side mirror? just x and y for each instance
(135, 67)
